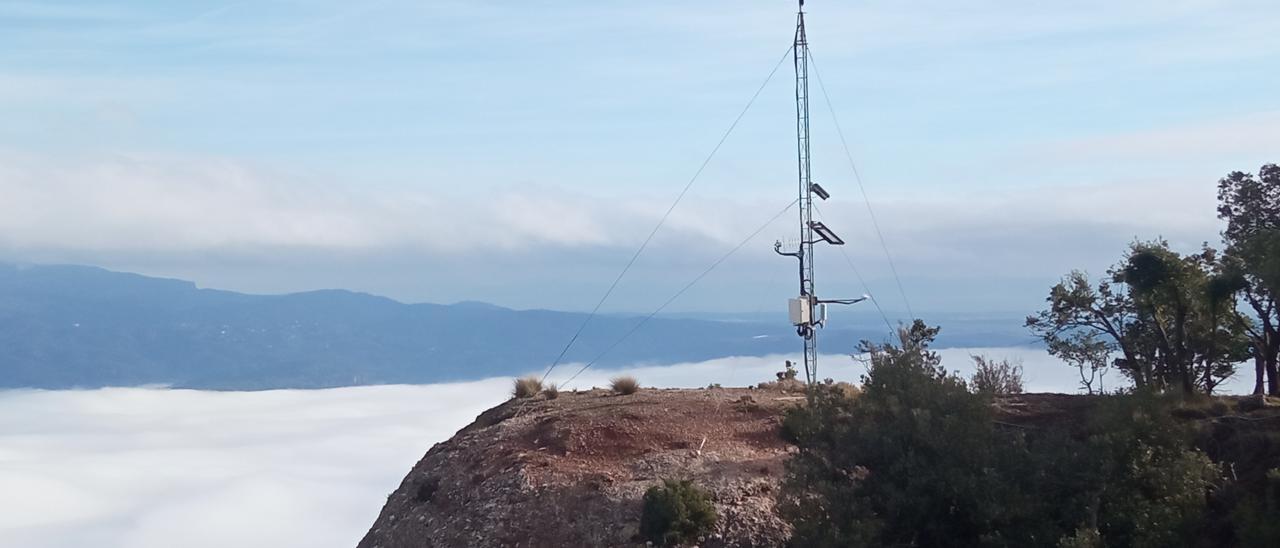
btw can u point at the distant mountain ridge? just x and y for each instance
(79, 326)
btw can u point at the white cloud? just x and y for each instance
(172, 205)
(1255, 135)
(234, 225)
(168, 205)
(148, 468)
(176, 205)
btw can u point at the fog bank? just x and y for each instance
(156, 468)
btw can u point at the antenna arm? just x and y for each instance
(777, 248)
(842, 301)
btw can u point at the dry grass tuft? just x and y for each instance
(551, 391)
(783, 385)
(527, 387)
(847, 390)
(624, 385)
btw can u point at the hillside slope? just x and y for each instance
(572, 471)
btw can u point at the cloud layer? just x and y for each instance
(156, 468)
(152, 468)
(235, 225)
(475, 150)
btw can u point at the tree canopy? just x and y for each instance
(1171, 318)
(1250, 205)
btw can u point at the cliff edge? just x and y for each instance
(571, 471)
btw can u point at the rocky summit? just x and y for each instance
(571, 471)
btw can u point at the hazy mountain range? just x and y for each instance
(78, 326)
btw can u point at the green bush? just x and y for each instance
(675, 512)
(913, 460)
(1150, 485)
(1258, 518)
(918, 460)
(803, 424)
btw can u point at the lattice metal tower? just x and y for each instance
(807, 312)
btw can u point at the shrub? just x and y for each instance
(1150, 484)
(847, 390)
(914, 460)
(917, 460)
(427, 489)
(624, 384)
(676, 511)
(801, 425)
(551, 391)
(1255, 517)
(526, 387)
(992, 377)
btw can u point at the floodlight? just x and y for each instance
(821, 192)
(825, 233)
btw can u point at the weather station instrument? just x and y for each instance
(808, 313)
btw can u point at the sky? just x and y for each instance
(519, 152)
(141, 467)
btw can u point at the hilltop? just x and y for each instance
(571, 471)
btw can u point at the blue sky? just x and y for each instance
(517, 152)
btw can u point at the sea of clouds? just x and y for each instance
(156, 467)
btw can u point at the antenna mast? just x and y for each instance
(807, 312)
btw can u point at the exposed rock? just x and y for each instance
(572, 471)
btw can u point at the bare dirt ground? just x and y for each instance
(571, 471)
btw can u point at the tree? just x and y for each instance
(1083, 323)
(1088, 353)
(1186, 310)
(1251, 207)
(1171, 317)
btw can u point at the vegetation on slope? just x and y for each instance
(675, 512)
(919, 459)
